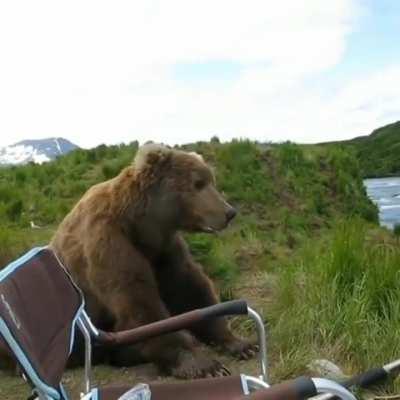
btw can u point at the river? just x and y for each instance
(385, 192)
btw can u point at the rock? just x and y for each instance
(326, 369)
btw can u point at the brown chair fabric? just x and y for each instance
(38, 303)
(226, 388)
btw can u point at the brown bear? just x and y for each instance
(123, 246)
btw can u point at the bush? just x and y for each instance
(240, 173)
(20, 176)
(292, 158)
(8, 193)
(14, 209)
(396, 230)
(110, 170)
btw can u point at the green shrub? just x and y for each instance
(8, 193)
(396, 230)
(240, 173)
(14, 209)
(292, 158)
(110, 170)
(20, 176)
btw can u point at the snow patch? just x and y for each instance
(15, 154)
(20, 154)
(40, 158)
(58, 145)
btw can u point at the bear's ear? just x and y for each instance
(158, 158)
(151, 156)
(197, 155)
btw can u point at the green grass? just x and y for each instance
(341, 301)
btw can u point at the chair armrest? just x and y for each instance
(374, 376)
(173, 324)
(296, 389)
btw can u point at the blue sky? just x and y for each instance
(374, 42)
(372, 45)
(174, 72)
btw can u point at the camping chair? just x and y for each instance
(40, 308)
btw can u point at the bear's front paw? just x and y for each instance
(192, 366)
(241, 348)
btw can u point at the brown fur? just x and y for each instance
(121, 243)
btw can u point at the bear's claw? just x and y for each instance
(192, 366)
(242, 349)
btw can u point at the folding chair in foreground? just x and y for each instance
(40, 307)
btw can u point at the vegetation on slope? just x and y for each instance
(379, 153)
(279, 253)
(284, 193)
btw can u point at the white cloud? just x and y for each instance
(101, 71)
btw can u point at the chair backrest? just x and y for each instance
(39, 307)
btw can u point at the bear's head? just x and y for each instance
(180, 190)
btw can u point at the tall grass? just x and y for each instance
(340, 301)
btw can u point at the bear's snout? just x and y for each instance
(230, 214)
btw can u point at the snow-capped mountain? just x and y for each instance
(37, 151)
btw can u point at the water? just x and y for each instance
(385, 192)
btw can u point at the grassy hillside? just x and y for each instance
(284, 193)
(379, 153)
(305, 248)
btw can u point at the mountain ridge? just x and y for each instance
(379, 152)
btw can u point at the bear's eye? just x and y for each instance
(200, 184)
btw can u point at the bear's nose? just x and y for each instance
(230, 214)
